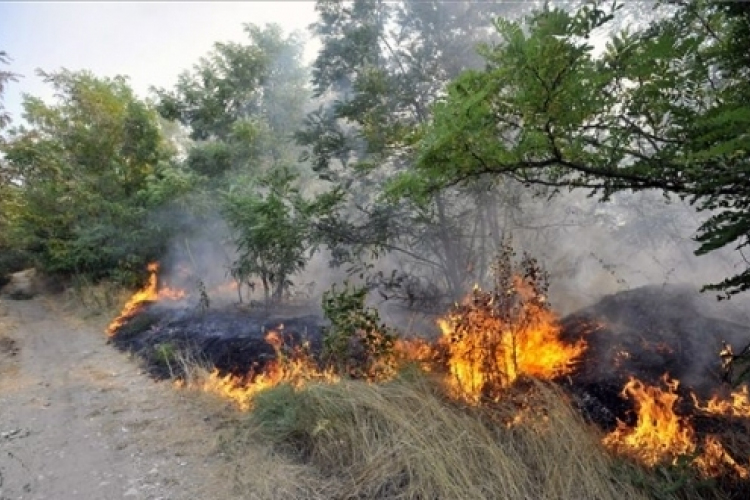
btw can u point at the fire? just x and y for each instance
(148, 293)
(716, 461)
(659, 433)
(490, 344)
(737, 406)
(296, 368)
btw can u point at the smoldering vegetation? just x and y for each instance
(285, 245)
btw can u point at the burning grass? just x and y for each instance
(292, 365)
(480, 417)
(149, 293)
(661, 435)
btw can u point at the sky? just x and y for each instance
(150, 42)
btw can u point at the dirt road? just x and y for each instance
(78, 420)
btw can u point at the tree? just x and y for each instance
(272, 229)
(5, 78)
(240, 103)
(85, 177)
(380, 67)
(665, 107)
(11, 259)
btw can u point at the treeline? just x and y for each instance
(421, 132)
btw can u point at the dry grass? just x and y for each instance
(87, 304)
(9, 344)
(403, 440)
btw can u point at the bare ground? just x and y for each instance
(79, 420)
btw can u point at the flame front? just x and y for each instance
(659, 434)
(149, 293)
(738, 406)
(296, 369)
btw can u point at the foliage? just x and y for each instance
(380, 66)
(84, 177)
(665, 107)
(5, 78)
(11, 259)
(272, 224)
(356, 342)
(240, 102)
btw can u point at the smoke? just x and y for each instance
(590, 249)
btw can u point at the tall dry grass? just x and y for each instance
(404, 440)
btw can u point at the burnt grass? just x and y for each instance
(230, 339)
(645, 333)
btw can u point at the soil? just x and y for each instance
(80, 420)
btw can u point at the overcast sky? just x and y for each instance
(151, 42)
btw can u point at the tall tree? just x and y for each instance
(11, 259)
(85, 174)
(664, 107)
(380, 67)
(241, 105)
(241, 102)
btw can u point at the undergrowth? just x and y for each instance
(404, 439)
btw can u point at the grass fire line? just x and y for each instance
(482, 356)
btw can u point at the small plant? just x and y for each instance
(166, 354)
(204, 302)
(356, 343)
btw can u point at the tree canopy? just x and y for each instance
(415, 134)
(664, 107)
(84, 176)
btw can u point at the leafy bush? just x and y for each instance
(356, 342)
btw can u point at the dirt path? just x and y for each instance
(78, 420)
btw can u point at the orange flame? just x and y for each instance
(487, 352)
(296, 369)
(739, 406)
(148, 293)
(661, 435)
(716, 461)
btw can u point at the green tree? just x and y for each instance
(86, 175)
(241, 103)
(665, 107)
(381, 66)
(272, 225)
(11, 259)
